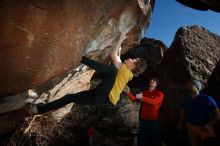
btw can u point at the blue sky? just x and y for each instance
(170, 15)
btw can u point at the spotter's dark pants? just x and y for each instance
(149, 133)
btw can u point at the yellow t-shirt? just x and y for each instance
(123, 76)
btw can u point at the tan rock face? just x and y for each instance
(42, 42)
(42, 39)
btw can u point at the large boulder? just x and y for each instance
(42, 39)
(203, 5)
(193, 54)
(42, 43)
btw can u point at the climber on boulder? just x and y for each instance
(115, 78)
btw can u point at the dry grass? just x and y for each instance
(43, 130)
(38, 130)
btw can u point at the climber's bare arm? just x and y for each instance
(115, 54)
